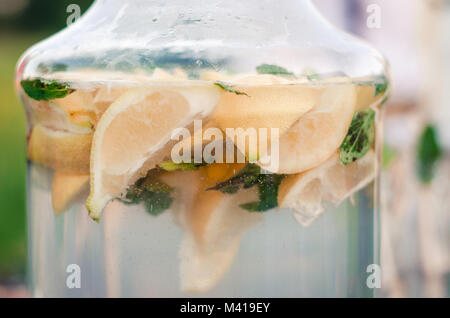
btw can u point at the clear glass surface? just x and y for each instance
(157, 54)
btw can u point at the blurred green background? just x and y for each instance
(22, 23)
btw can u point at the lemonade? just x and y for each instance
(197, 186)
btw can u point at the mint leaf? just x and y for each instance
(45, 90)
(230, 88)
(273, 70)
(172, 166)
(154, 194)
(246, 177)
(381, 87)
(268, 185)
(251, 176)
(359, 138)
(231, 189)
(429, 151)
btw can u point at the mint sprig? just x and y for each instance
(359, 138)
(272, 69)
(248, 177)
(429, 151)
(228, 88)
(45, 90)
(268, 185)
(381, 86)
(172, 166)
(154, 194)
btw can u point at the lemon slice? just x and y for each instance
(65, 188)
(269, 103)
(63, 151)
(162, 75)
(134, 135)
(200, 271)
(52, 116)
(105, 96)
(308, 194)
(183, 195)
(213, 224)
(212, 241)
(317, 135)
(78, 101)
(366, 97)
(214, 76)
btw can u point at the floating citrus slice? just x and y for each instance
(65, 188)
(216, 225)
(309, 193)
(265, 102)
(52, 116)
(134, 135)
(366, 97)
(314, 137)
(107, 94)
(76, 102)
(63, 151)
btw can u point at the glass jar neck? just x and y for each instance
(238, 7)
(260, 22)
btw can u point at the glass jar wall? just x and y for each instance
(219, 149)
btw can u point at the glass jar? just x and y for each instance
(174, 149)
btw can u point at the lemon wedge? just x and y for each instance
(134, 134)
(60, 150)
(105, 96)
(317, 135)
(266, 102)
(50, 115)
(213, 223)
(366, 97)
(308, 194)
(65, 188)
(212, 238)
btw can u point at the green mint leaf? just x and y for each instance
(231, 189)
(385, 100)
(153, 185)
(429, 151)
(381, 86)
(268, 185)
(154, 194)
(172, 166)
(45, 90)
(251, 176)
(246, 177)
(157, 203)
(273, 70)
(359, 138)
(229, 88)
